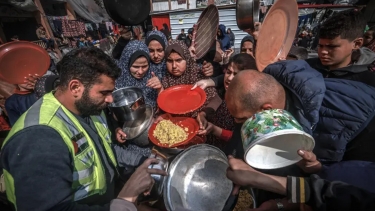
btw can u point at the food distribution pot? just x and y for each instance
(137, 131)
(128, 104)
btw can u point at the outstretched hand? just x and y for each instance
(193, 43)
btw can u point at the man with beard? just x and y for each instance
(59, 155)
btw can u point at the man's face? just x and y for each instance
(218, 32)
(335, 53)
(93, 100)
(248, 48)
(239, 114)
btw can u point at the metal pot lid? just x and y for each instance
(134, 128)
(128, 12)
(278, 149)
(277, 33)
(247, 13)
(197, 180)
(207, 26)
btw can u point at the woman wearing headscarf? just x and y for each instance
(182, 69)
(157, 43)
(135, 63)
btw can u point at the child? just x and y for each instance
(22, 99)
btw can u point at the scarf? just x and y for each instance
(127, 80)
(161, 68)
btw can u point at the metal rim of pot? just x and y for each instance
(132, 109)
(172, 166)
(247, 14)
(144, 131)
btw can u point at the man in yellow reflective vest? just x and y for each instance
(59, 155)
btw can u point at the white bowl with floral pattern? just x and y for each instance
(271, 139)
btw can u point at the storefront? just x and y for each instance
(16, 22)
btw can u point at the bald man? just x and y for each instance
(263, 93)
(338, 113)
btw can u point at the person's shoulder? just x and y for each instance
(11, 100)
(33, 134)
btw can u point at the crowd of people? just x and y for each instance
(66, 151)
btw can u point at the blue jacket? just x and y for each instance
(224, 38)
(334, 111)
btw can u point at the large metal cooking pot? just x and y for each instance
(137, 131)
(128, 104)
(197, 180)
(247, 13)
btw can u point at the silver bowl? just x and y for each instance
(197, 180)
(128, 104)
(137, 131)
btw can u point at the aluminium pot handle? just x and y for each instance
(140, 101)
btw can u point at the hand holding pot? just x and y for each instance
(240, 173)
(31, 80)
(309, 163)
(192, 46)
(140, 181)
(207, 69)
(120, 135)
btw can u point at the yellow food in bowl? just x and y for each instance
(169, 133)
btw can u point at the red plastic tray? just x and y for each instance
(181, 99)
(18, 59)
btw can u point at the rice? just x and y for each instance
(169, 133)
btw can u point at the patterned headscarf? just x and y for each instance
(159, 69)
(126, 79)
(191, 75)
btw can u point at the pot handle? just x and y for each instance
(231, 202)
(140, 101)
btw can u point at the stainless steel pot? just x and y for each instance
(157, 188)
(247, 13)
(137, 131)
(197, 180)
(128, 104)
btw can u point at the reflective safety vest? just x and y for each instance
(89, 173)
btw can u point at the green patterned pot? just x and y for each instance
(271, 139)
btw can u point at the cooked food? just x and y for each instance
(244, 201)
(169, 133)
